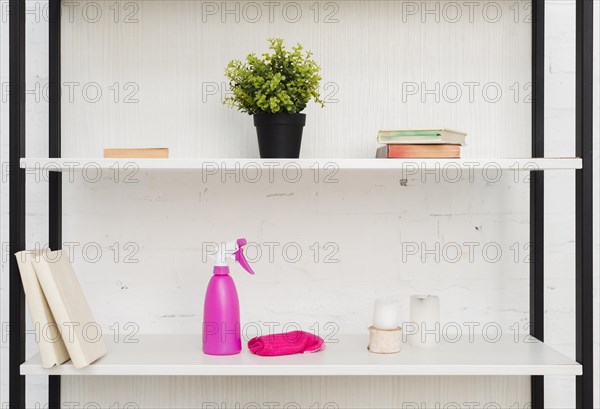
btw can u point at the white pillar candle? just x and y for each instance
(424, 331)
(385, 314)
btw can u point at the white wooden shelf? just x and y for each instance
(212, 165)
(182, 355)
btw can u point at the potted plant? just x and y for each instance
(275, 89)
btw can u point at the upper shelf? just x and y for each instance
(214, 165)
(182, 355)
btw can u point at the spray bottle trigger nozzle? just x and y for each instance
(239, 256)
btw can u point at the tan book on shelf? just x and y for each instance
(81, 333)
(136, 153)
(52, 347)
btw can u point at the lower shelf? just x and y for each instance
(182, 355)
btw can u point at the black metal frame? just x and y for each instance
(584, 192)
(17, 199)
(584, 212)
(536, 195)
(54, 144)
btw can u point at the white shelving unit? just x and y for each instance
(76, 48)
(348, 356)
(524, 164)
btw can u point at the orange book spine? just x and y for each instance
(423, 151)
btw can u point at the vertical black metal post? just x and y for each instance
(584, 203)
(54, 143)
(536, 201)
(17, 199)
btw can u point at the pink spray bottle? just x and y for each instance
(221, 330)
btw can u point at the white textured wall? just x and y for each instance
(371, 60)
(365, 215)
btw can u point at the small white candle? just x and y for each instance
(424, 321)
(385, 314)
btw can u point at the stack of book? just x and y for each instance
(64, 325)
(420, 143)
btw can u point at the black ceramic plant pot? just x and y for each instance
(279, 135)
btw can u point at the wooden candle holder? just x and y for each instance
(383, 341)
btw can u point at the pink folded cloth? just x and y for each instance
(295, 342)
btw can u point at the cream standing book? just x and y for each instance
(70, 308)
(48, 337)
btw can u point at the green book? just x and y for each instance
(421, 136)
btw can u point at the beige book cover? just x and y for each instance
(136, 153)
(80, 331)
(52, 347)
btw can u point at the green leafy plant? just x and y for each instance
(281, 81)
